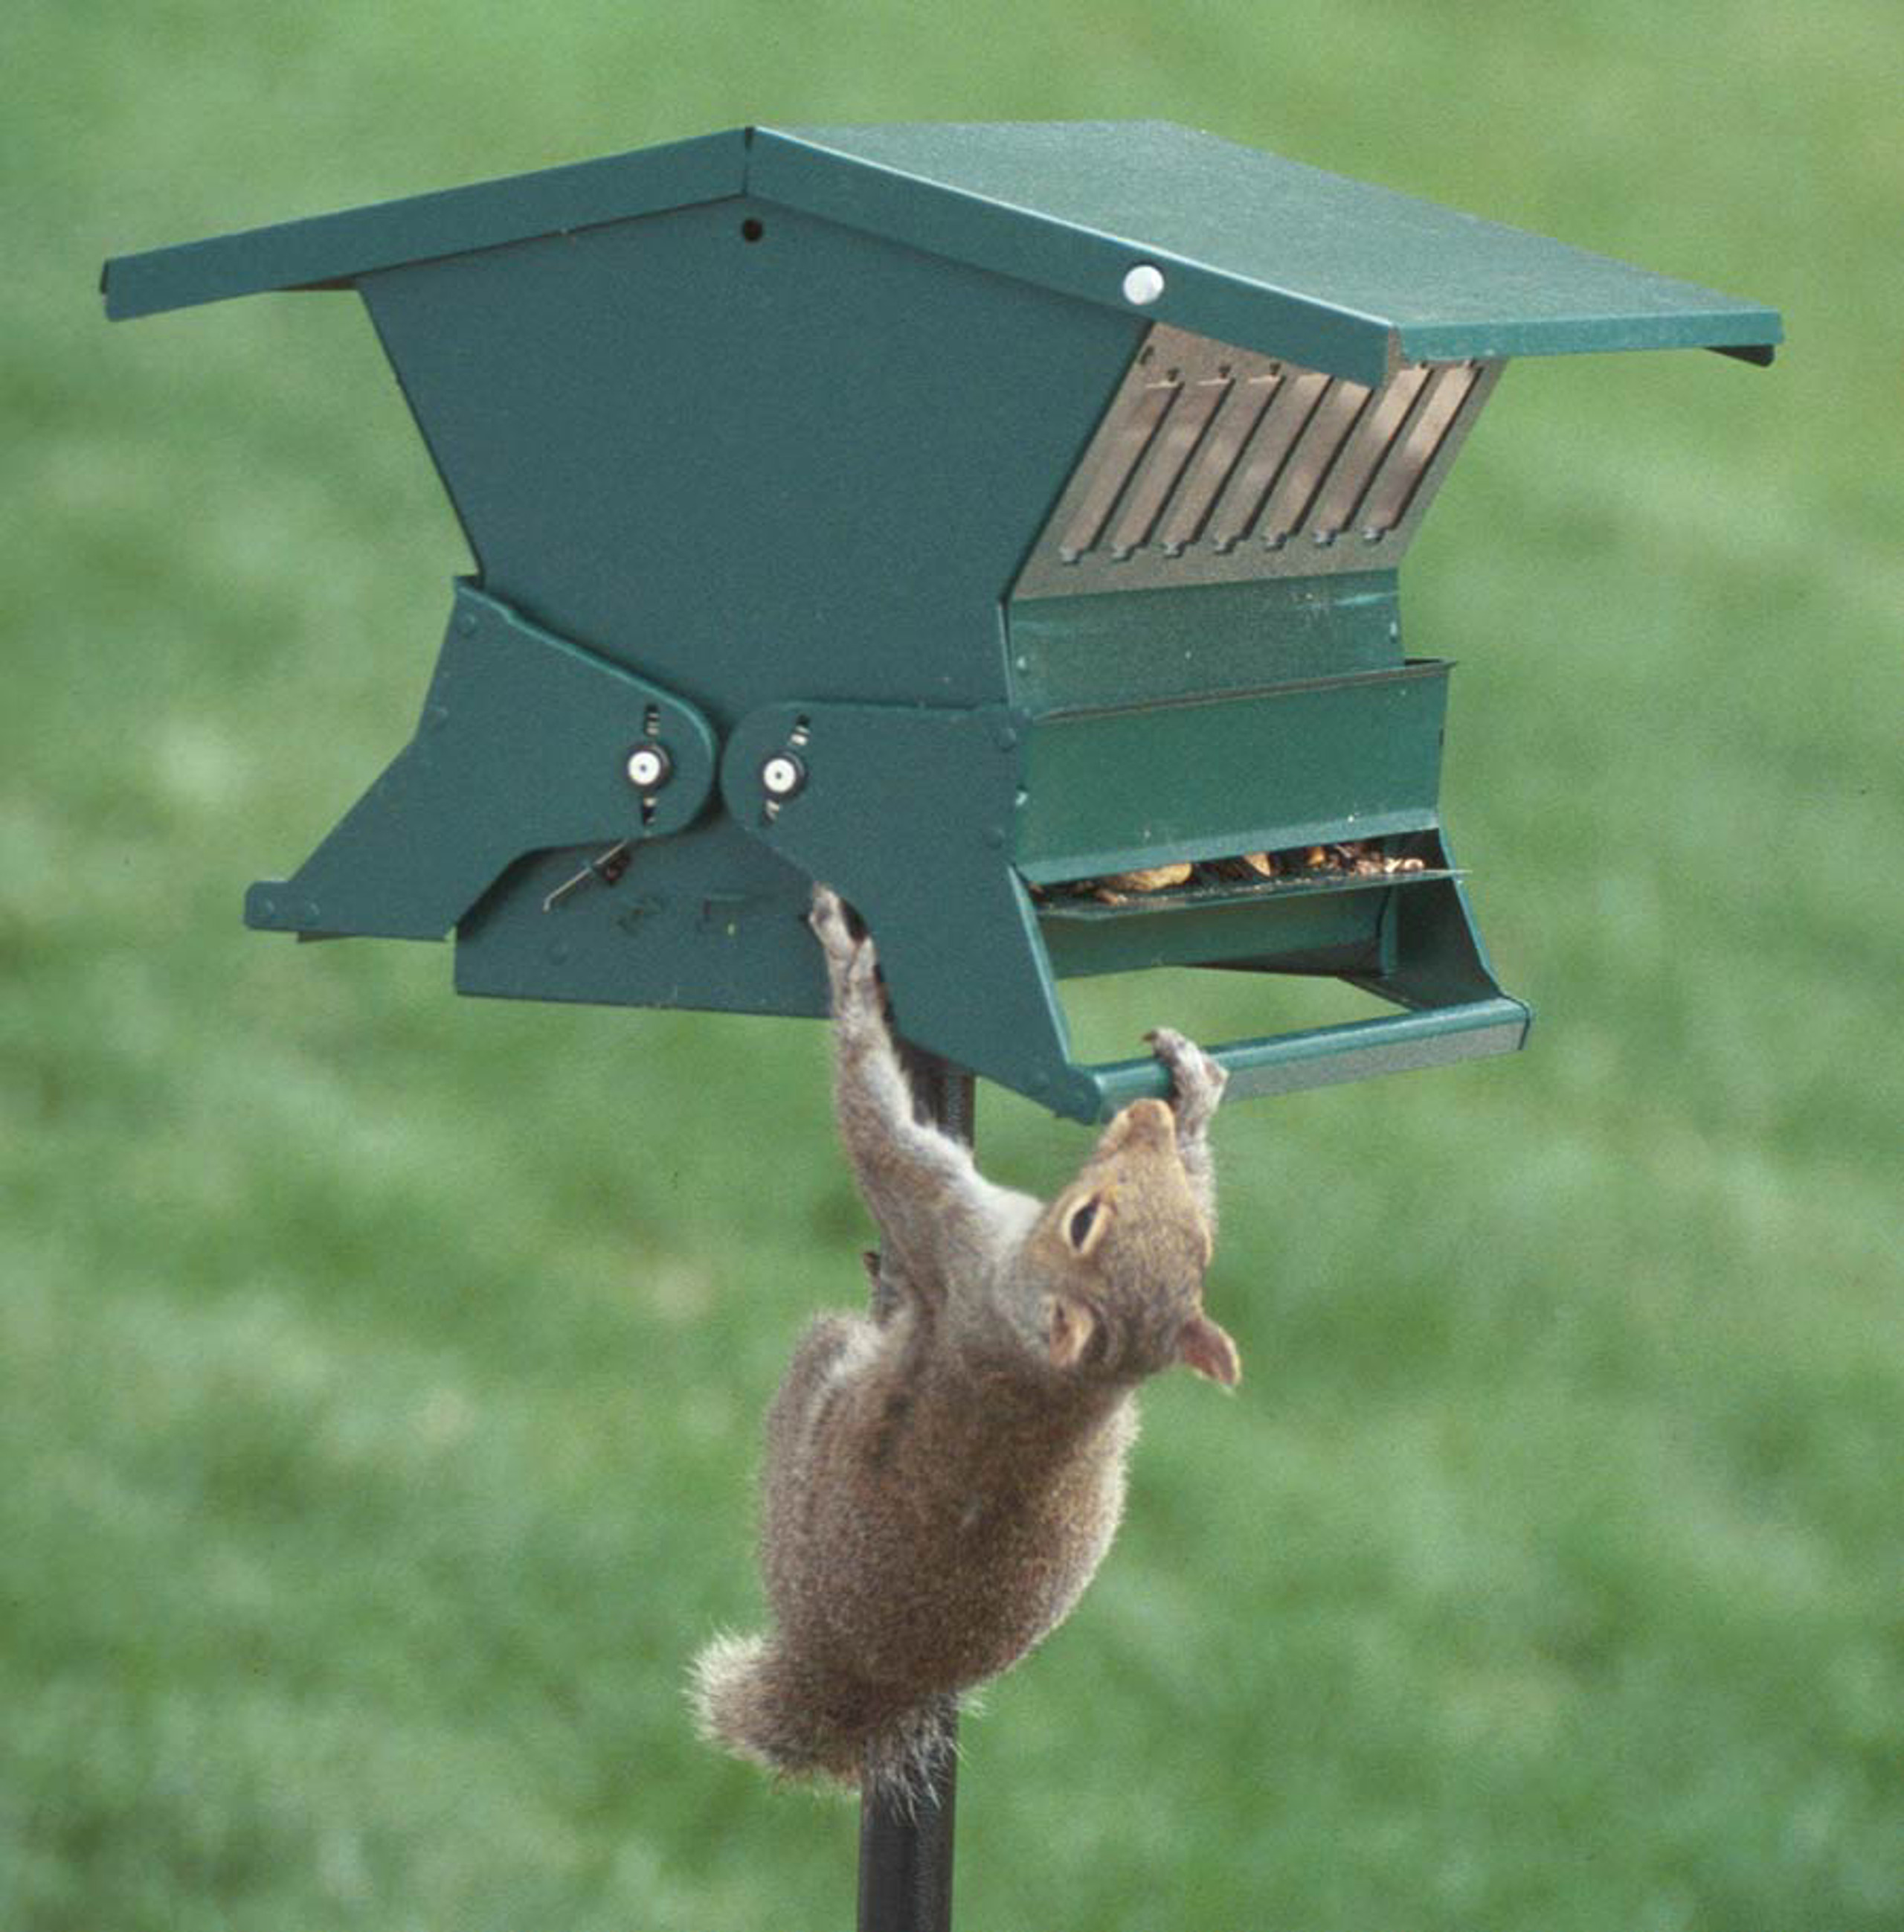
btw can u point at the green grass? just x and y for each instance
(379, 1373)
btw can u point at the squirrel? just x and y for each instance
(943, 1476)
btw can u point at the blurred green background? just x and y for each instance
(380, 1373)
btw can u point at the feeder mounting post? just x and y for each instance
(906, 1852)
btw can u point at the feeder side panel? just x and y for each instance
(709, 918)
(807, 465)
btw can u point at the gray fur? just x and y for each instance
(944, 1478)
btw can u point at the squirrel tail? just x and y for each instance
(752, 1697)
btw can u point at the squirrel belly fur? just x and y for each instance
(943, 1476)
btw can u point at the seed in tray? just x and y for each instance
(1357, 855)
(1246, 868)
(1147, 879)
(1362, 858)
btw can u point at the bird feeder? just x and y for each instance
(972, 517)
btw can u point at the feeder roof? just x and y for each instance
(1266, 253)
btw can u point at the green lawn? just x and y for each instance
(380, 1373)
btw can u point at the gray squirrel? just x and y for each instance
(943, 1476)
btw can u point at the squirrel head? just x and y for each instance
(1119, 1256)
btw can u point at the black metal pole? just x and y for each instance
(906, 1850)
(906, 1856)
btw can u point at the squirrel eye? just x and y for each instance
(1078, 1229)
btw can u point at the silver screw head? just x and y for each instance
(649, 767)
(782, 775)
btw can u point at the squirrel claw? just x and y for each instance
(1197, 1082)
(831, 926)
(851, 963)
(827, 912)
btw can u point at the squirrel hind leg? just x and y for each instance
(904, 1758)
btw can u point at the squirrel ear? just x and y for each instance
(1206, 1348)
(1068, 1326)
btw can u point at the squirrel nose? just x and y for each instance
(1145, 1122)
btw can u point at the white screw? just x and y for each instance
(782, 776)
(1142, 285)
(648, 767)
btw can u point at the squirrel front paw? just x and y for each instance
(1197, 1082)
(852, 965)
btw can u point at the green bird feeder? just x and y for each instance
(967, 516)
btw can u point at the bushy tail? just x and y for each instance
(752, 1698)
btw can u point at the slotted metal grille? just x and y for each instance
(1212, 464)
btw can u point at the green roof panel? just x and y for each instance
(1266, 254)
(326, 249)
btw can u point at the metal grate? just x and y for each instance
(1213, 464)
